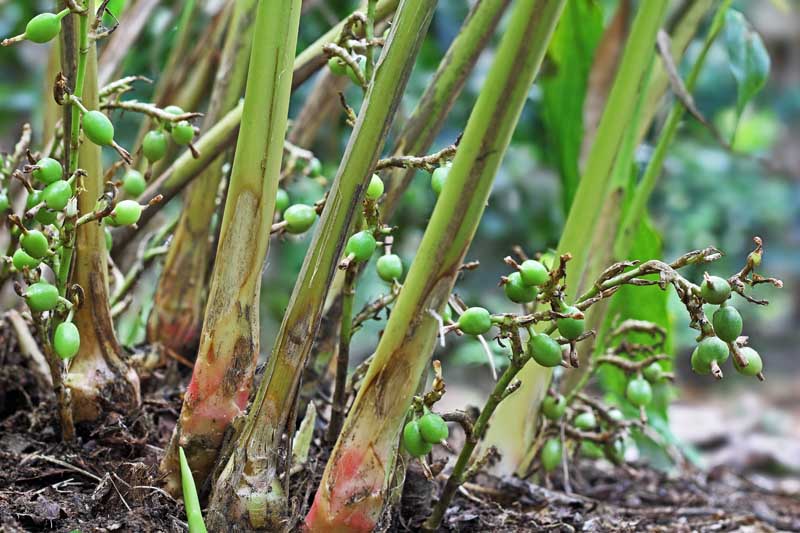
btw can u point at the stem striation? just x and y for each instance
(357, 479)
(177, 315)
(521, 409)
(250, 490)
(99, 379)
(229, 342)
(425, 123)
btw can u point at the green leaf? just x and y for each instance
(749, 60)
(115, 7)
(194, 515)
(571, 52)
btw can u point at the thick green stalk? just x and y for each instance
(250, 490)
(99, 379)
(177, 314)
(358, 475)
(603, 235)
(80, 57)
(229, 342)
(427, 119)
(220, 137)
(610, 224)
(595, 181)
(520, 409)
(638, 205)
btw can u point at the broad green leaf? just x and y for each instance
(749, 60)
(572, 53)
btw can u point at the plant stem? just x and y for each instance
(613, 238)
(369, 34)
(224, 133)
(250, 490)
(645, 187)
(425, 122)
(63, 395)
(68, 238)
(177, 315)
(229, 343)
(338, 407)
(521, 410)
(352, 493)
(623, 193)
(99, 379)
(497, 395)
(177, 55)
(636, 58)
(80, 80)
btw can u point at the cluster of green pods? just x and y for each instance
(720, 341)
(420, 434)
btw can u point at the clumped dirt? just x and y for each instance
(108, 481)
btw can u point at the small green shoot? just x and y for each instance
(194, 516)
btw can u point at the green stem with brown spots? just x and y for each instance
(99, 378)
(229, 342)
(423, 126)
(521, 409)
(357, 478)
(177, 314)
(251, 489)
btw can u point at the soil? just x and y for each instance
(108, 481)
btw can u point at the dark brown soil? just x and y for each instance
(108, 481)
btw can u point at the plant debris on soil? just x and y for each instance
(108, 481)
